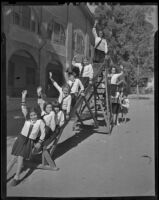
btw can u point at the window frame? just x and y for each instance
(24, 18)
(78, 42)
(59, 36)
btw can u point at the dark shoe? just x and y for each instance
(14, 182)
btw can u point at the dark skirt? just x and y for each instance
(48, 132)
(73, 99)
(22, 147)
(115, 108)
(124, 110)
(99, 56)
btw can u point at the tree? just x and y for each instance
(129, 36)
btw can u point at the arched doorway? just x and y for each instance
(22, 74)
(57, 73)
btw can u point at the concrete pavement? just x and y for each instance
(94, 164)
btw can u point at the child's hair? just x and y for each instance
(75, 71)
(48, 103)
(101, 30)
(35, 109)
(66, 86)
(85, 58)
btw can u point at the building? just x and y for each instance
(40, 39)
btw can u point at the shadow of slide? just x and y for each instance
(61, 149)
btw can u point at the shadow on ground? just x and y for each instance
(63, 147)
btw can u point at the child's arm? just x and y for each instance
(91, 73)
(68, 106)
(41, 100)
(76, 64)
(53, 121)
(121, 73)
(106, 47)
(55, 83)
(94, 29)
(23, 103)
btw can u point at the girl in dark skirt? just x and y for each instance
(25, 141)
(48, 114)
(100, 49)
(64, 101)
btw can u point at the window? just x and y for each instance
(30, 76)
(90, 51)
(33, 26)
(56, 32)
(26, 16)
(16, 18)
(16, 15)
(22, 17)
(80, 44)
(74, 41)
(59, 34)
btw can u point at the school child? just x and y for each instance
(64, 101)
(124, 107)
(115, 92)
(26, 140)
(49, 115)
(101, 48)
(86, 71)
(76, 85)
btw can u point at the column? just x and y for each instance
(86, 53)
(69, 36)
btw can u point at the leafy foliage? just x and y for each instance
(130, 38)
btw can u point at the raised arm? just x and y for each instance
(23, 103)
(53, 121)
(41, 100)
(106, 47)
(122, 71)
(94, 29)
(55, 83)
(91, 72)
(42, 130)
(69, 105)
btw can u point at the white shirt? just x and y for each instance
(50, 119)
(103, 45)
(115, 77)
(88, 69)
(38, 126)
(77, 84)
(126, 103)
(66, 101)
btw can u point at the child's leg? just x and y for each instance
(11, 163)
(60, 118)
(125, 117)
(19, 167)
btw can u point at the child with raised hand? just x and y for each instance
(41, 98)
(86, 71)
(101, 47)
(76, 85)
(64, 101)
(26, 140)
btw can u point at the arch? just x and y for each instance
(57, 73)
(15, 47)
(22, 74)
